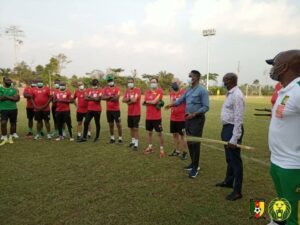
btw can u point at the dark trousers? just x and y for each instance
(61, 118)
(89, 116)
(194, 127)
(234, 172)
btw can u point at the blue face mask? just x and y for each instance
(40, 84)
(153, 85)
(175, 86)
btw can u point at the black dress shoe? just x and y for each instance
(224, 184)
(82, 140)
(234, 196)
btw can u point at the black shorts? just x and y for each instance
(154, 124)
(80, 116)
(177, 127)
(42, 115)
(30, 113)
(10, 115)
(53, 109)
(133, 121)
(113, 116)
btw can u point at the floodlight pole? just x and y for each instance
(207, 33)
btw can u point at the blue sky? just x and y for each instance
(152, 35)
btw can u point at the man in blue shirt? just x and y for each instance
(197, 104)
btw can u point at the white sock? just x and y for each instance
(132, 140)
(136, 142)
(150, 145)
(120, 138)
(112, 137)
(89, 133)
(79, 134)
(161, 147)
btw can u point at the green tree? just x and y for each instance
(211, 77)
(62, 61)
(165, 79)
(22, 72)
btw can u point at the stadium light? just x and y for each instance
(208, 33)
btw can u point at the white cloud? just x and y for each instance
(248, 16)
(127, 28)
(163, 13)
(68, 45)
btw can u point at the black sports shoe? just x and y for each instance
(96, 139)
(135, 148)
(89, 136)
(111, 141)
(184, 156)
(120, 141)
(174, 153)
(78, 138)
(82, 140)
(130, 145)
(42, 134)
(234, 196)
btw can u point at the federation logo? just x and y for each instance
(279, 209)
(257, 208)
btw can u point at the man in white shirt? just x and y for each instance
(284, 138)
(232, 132)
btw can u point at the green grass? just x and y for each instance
(45, 182)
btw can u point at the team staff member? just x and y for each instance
(232, 132)
(54, 91)
(93, 97)
(9, 96)
(132, 98)
(284, 141)
(41, 97)
(63, 98)
(111, 95)
(177, 122)
(81, 105)
(29, 106)
(153, 98)
(197, 104)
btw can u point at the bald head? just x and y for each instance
(230, 80)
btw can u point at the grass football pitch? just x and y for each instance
(54, 183)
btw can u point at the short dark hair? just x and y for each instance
(231, 76)
(95, 82)
(196, 73)
(154, 78)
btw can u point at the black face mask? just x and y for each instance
(175, 86)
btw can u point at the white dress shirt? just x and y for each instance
(233, 112)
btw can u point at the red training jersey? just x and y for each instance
(92, 105)
(62, 95)
(82, 104)
(275, 93)
(41, 97)
(177, 113)
(112, 92)
(28, 90)
(134, 109)
(152, 113)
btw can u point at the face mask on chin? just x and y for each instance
(95, 87)
(56, 86)
(81, 87)
(62, 88)
(276, 71)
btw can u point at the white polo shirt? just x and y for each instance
(284, 131)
